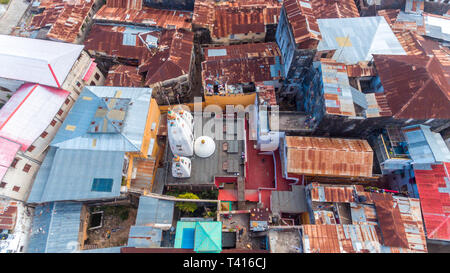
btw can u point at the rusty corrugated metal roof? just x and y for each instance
(335, 9)
(340, 239)
(128, 4)
(331, 193)
(109, 40)
(124, 75)
(302, 20)
(241, 64)
(361, 69)
(235, 17)
(8, 214)
(310, 156)
(241, 51)
(415, 86)
(397, 220)
(390, 221)
(173, 58)
(266, 94)
(168, 19)
(64, 18)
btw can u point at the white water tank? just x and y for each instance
(181, 167)
(181, 138)
(204, 146)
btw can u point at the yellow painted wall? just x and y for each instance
(235, 99)
(153, 116)
(165, 108)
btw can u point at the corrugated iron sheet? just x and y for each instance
(433, 184)
(68, 22)
(330, 193)
(238, 17)
(302, 20)
(242, 64)
(336, 88)
(340, 239)
(55, 228)
(127, 4)
(390, 222)
(172, 59)
(124, 75)
(361, 69)
(111, 40)
(396, 220)
(266, 94)
(167, 19)
(356, 39)
(310, 156)
(335, 8)
(412, 84)
(8, 214)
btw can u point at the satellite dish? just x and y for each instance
(204, 146)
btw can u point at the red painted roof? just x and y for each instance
(231, 195)
(435, 202)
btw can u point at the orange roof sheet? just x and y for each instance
(65, 19)
(235, 17)
(311, 156)
(168, 19)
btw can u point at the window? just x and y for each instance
(13, 164)
(26, 168)
(16, 189)
(44, 134)
(2, 185)
(53, 123)
(31, 148)
(102, 184)
(78, 84)
(92, 83)
(67, 101)
(97, 76)
(60, 112)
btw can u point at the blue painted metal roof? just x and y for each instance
(75, 132)
(72, 174)
(55, 228)
(153, 210)
(426, 146)
(144, 237)
(41, 178)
